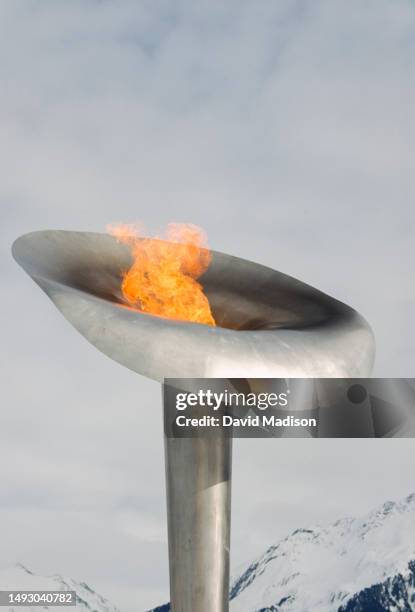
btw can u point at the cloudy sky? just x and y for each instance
(286, 129)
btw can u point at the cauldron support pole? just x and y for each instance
(198, 479)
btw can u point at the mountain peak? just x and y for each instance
(335, 568)
(320, 568)
(19, 577)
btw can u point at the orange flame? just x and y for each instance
(162, 278)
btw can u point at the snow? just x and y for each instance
(319, 569)
(19, 577)
(314, 569)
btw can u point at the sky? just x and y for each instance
(285, 129)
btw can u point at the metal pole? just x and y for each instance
(198, 478)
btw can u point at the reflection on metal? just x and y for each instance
(269, 325)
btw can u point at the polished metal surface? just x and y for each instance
(269, 325)
(198, 509)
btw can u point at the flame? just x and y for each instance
(162, 278)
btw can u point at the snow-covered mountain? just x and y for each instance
(19, 577)
(354, 565)
(396, 594)
(362, 564)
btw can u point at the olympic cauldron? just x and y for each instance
(269, 325)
